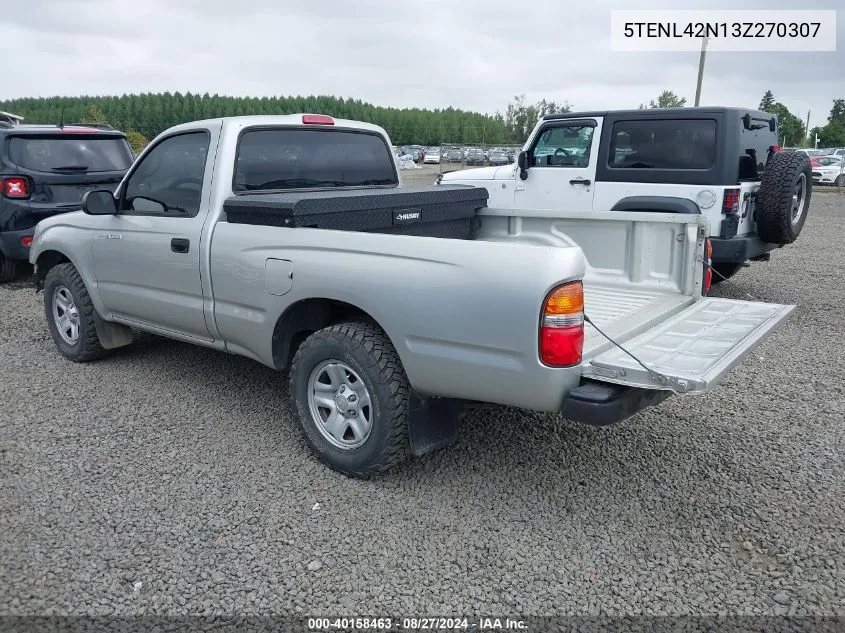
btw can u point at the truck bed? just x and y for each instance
(620, 311)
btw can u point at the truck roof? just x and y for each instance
(240, 122)
(656, 112)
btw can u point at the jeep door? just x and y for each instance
(561, 166)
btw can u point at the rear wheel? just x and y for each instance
(350, 395)
(840, 181)
(723, 271)
(10, 269)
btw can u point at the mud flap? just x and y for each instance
(691, 351)
(432, 423)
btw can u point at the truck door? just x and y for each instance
(561, 166)
(147, 257)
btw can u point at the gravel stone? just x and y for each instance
(181, 466)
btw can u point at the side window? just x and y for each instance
(663, 144)
(169, 178)
(563, 146)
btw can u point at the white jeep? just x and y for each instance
(723, 163)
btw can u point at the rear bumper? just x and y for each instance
(739, 249)
(599, 403)
(10, 244)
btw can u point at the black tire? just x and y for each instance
(367, 350)
(779, 219)
(87, 346)
(840, 181)
(10, 269)
(725, 271)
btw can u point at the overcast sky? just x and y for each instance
(472, 54)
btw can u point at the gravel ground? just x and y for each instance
(169, 479)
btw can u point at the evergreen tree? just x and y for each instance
(767, 101)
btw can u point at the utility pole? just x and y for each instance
(807, 129)
(700, 70)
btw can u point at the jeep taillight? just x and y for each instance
(730, 203)
(14, 187)
(562, 326)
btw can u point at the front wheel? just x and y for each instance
(70, 314)
(350, 396)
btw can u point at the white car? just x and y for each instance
(432, 156)
(829, 170)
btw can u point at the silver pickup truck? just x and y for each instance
(290, 240)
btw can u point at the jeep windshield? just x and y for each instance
(63, 153)
(297, 158)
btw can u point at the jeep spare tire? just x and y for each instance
(784, 197)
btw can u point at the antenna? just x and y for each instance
(62, 118)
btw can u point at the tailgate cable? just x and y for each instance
(661, 379)
(733, 284)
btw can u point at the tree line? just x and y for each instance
(152, 113)
(143, 116)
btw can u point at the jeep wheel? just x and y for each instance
(784, 197)
(70, 314)
(10, 269)
(722, 271)
(350, 398)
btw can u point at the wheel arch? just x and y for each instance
(47, 260)
(305, 317)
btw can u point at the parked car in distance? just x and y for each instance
(432, 156)
(475, 156)
(808, 152)
(44, 171)
(374, 320)
(498, 157)
(828, 170)
(454, 155)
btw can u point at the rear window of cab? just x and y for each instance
(274, 159)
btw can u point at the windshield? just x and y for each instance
(78, 153)
(296, 158)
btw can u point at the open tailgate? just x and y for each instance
(692, 350)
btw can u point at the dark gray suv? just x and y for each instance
(45, 170)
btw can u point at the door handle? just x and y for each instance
(581, 181)
(180, 245)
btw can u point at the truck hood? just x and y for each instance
(503, 172)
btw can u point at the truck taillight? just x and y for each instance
(14, 187)
(562, 326)
(730, 204)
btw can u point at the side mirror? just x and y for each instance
(522, 163)
(99, 202)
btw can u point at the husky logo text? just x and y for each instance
(407, 216)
